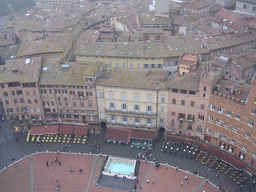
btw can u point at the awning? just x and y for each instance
(52, 129)
(188, 140)
(196, 143)
(37, 130)
(118, 134)
(143, 134)
(225, 156)
(175, 138)
(66, 129)
(226, 187)
(81, 130)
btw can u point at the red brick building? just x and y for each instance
(230, 122)
(20, 91)
(68, 92)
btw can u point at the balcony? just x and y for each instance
(130, 112)
(182, 117)
(134, 125)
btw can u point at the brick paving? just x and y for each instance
(45, 177)
(169, 179)
(18, 178)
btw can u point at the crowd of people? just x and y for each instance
(95, 146)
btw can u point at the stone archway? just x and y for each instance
(103, 126)
(161, 133)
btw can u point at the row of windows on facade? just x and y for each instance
(19, 92)
(235, 128)
(74, 104)
(124, 97)
(216, 134)
(149, 97)
(145, 66)
(136, 108)
(32, 117)
(192, 103)
(130, 58)
(136, 120)
(89, 112)
(23, 109)
(224, 51)
(7, 102)
(245, 7)
(230, 148)
(50, 55)
(65, 86)
(70, 116)
(185, 91)
(229, 113)
(226, 124)
(64, 91)
(182, 116)
(17, 84)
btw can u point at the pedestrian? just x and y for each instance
(217, 175)
(57, 188)
(241, 186)
(140, 187)
(56, 159)
(153, 182)
(16, 140)
(71, 170)
(13, 159)
(186, 178)
(181, 183)
(209, 169)
(59, 163)
(187, 181)
(47, 163)
(147, 181)
(130, 151)
(206, 174)
(80, 170)
(57, 184)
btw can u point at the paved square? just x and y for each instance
(32, 174)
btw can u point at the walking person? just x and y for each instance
(57, 184)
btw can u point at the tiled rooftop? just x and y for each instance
(54, 73)
(188, 81)
(138, 79)
(51, 44)
(21, 70)
(170, 47)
